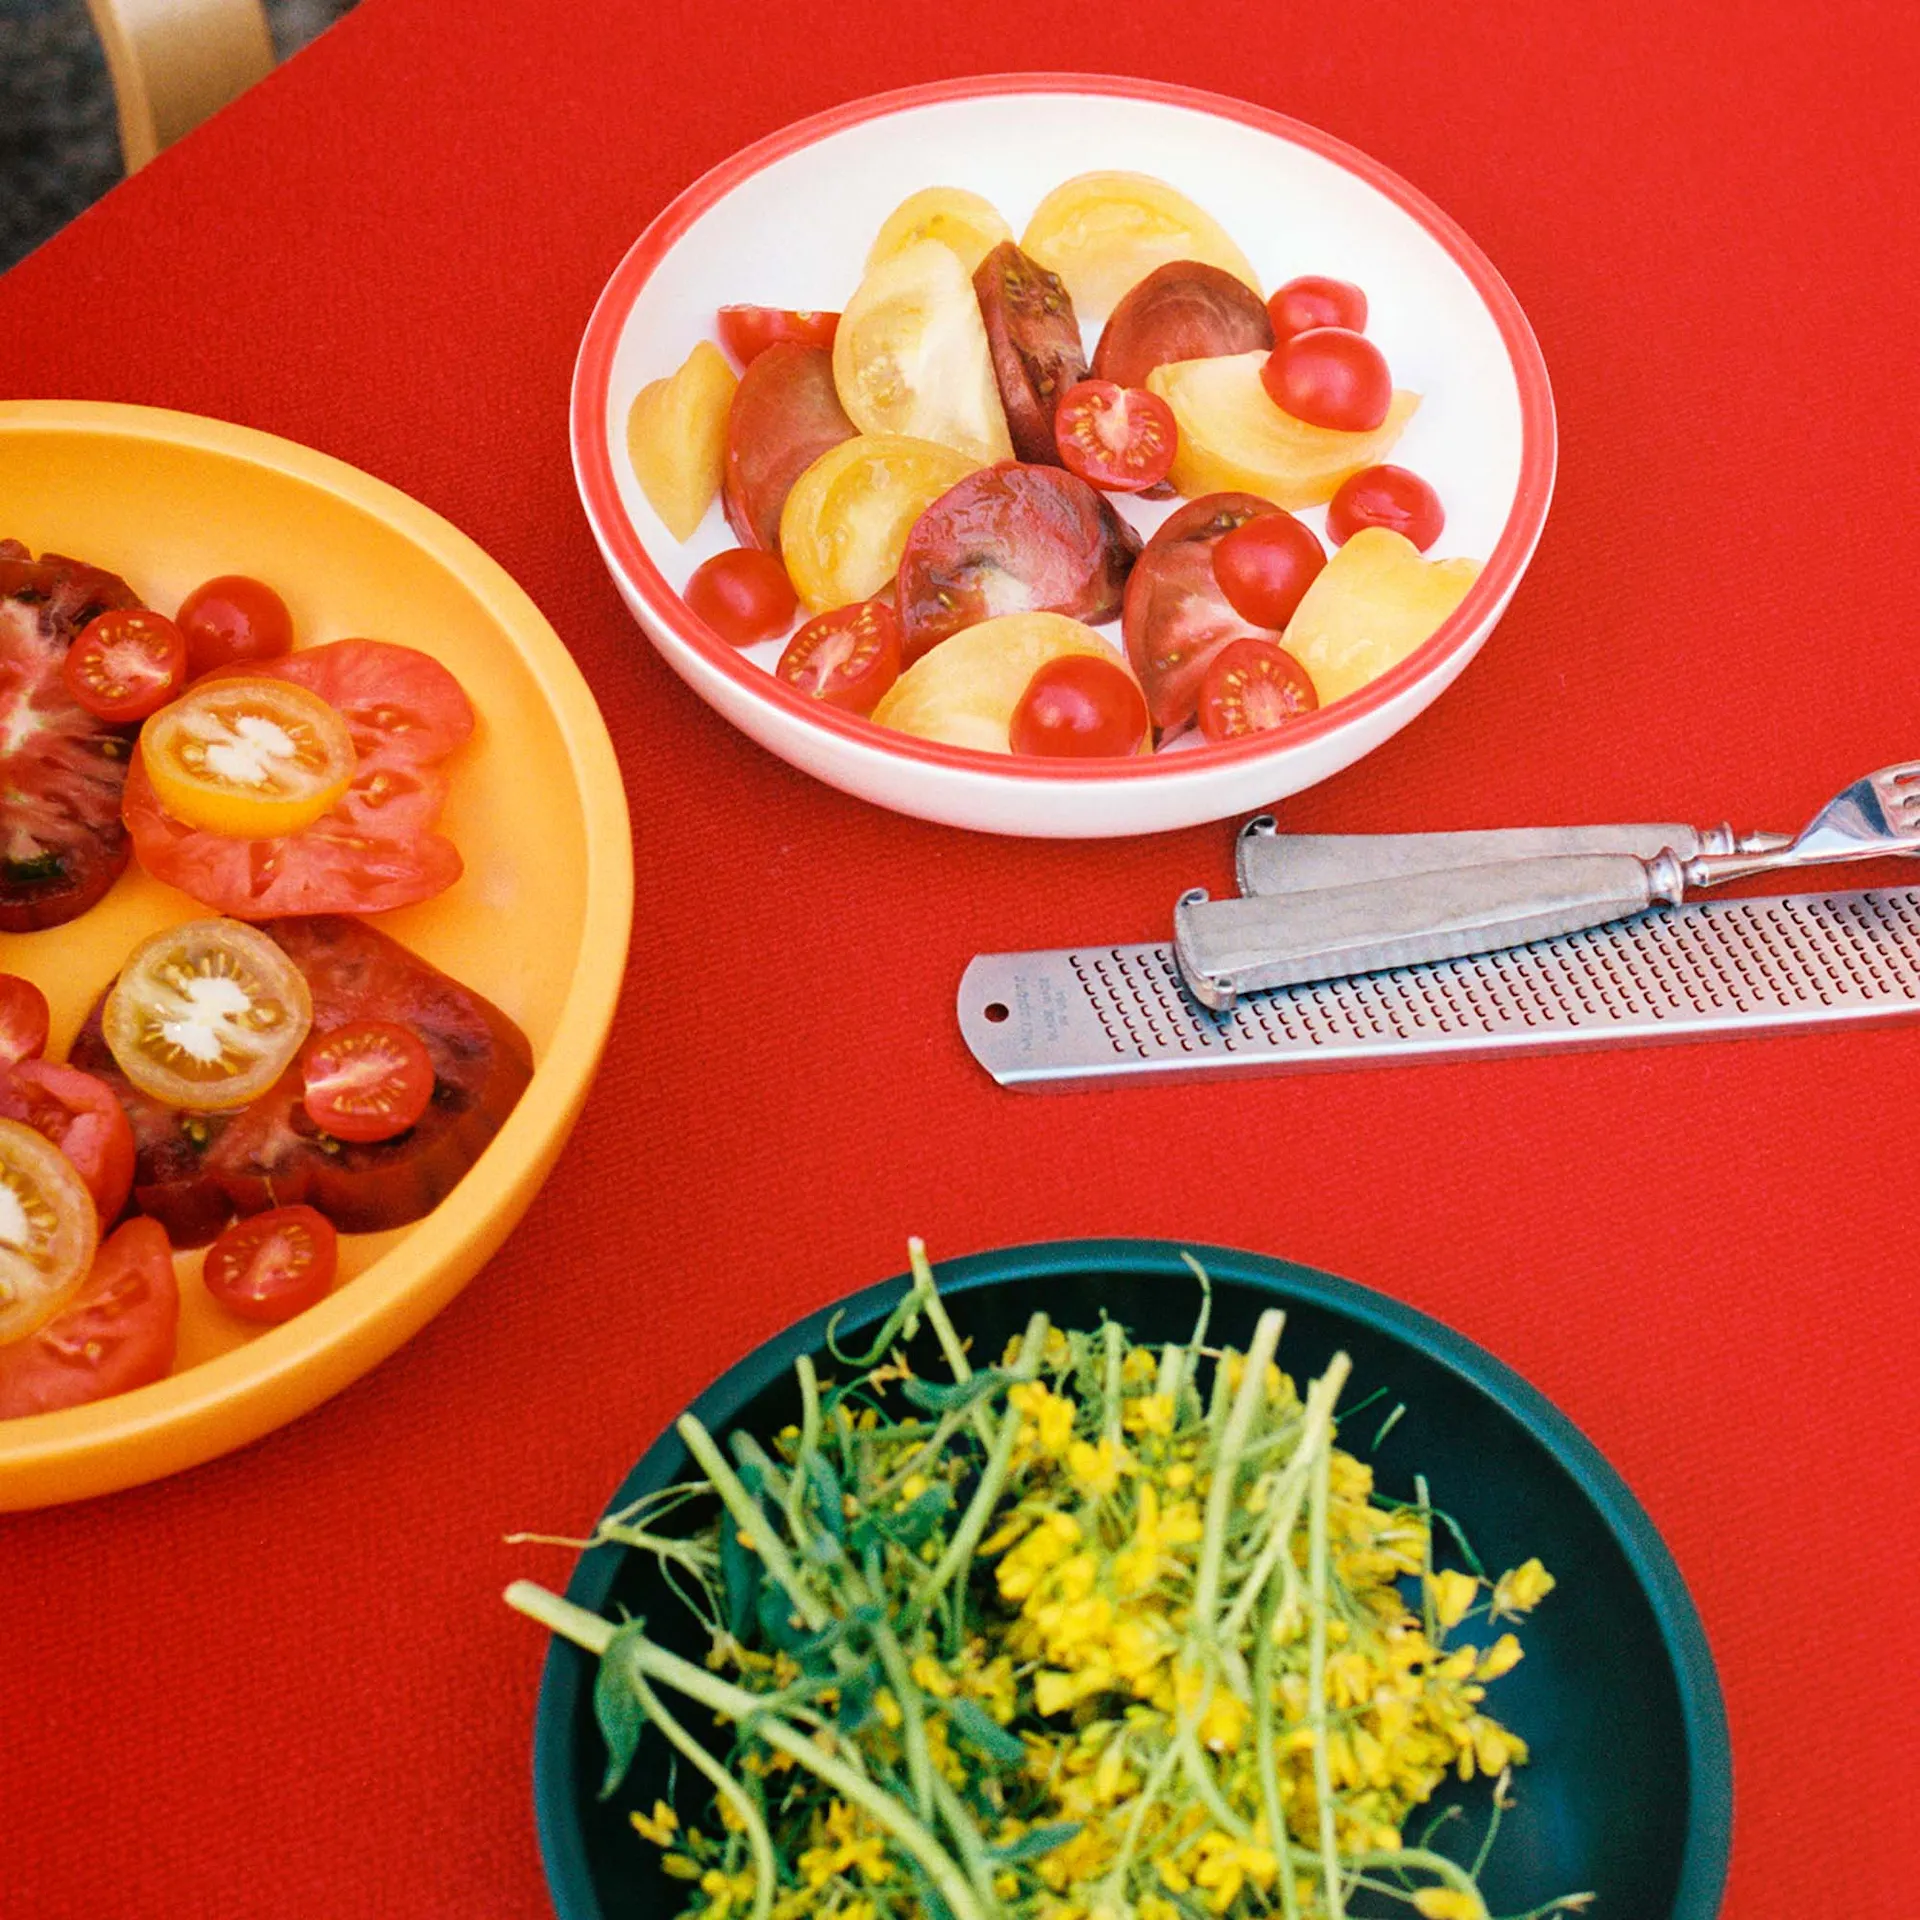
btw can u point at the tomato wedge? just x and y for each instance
(116, 1332)
(127, 663)
(24, 1020)
(368, 1080)
(1119, 438)
(747, 332)
(81, 1115)
(1034, 340)
(1185, 310)
(274, 1265)
(848, 658)
(48, 1230)
(1253, 686)
(785, 415)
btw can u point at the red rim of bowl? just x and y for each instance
(599, 493)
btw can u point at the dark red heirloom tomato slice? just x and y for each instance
(1185, 310)
(1120, 438)
(368, 1080)
(747, 332)
(1011, 539)
(1390, 497)
(24, 1020)
(116, 1333)
(1079, 707)
(786, 413)
(1176, 617)
(82, 1115)
(1330, 377)
(1314, 300)
(1265, 567)
(1253, 686)
(377, 848)
(848, 657)
(61, 768)
(1035, 343)
(744, 595)
(126, 664)
(195, 1171)
(273, 1265)
(233, 621)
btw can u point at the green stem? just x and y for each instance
(809, 1440)
(1265, 1754)
(1114, 1382)
(1317, 1557)
(936, 1311)
(1113, 1886)
(1226, 1462)
(969, 1839)
(750, 1519)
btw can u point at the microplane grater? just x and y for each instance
(1084, 1016)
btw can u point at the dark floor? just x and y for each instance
(59, 142)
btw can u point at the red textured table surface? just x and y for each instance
(284, 1684)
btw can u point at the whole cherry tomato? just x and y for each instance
(1079, 707)
(1389, 497)
(743, 595)
(1330, 377)
(848, 657)
(747, 332)
(1265, 567)
(1251, 687)
(231, 620)
(1120, 438)
(1313, 300)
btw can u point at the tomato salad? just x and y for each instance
(959, 453)
(269, 1075)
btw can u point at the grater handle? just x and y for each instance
(1229, 947)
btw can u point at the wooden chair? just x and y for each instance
(173, 62)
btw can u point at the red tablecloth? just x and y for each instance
(284, 1684)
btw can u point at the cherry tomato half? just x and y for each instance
(24, 1020)
(232, 620)
(743, 595)
(126, 664)
(1313, 300)
(747, 332)
(1116, 437)
(1079, 707)
(1265, 567)
(369, 1080)
(1330, 377)
(271, 1266)
(1251, 687)
(1389, 497)
(848, 657)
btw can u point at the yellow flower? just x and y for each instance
(1447, 1903)
(1097, 1469)
(1502, 1657)
(1453, 1593)
(1224, 1722)
(659, 1826)
(1046, 1546)
(1522, 1589)
(1149, 1413)
(1049, 1417)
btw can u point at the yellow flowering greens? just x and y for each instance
(1103, 1631)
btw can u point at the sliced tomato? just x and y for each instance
(785, 415)
(747, 332)
(273, 1265)
(1253, 686)
(24, 1020)
(194, 1171)
(377, 848)
(233, 621)
(368, 1080)
(1120, 438)
(1011, 539)
(117, 1331)
(848, 657)
(126, 664)
(1035, 343)
(62, 769)
(48, 1229)
(82, 1116)
(1176, 616)
(1185, 310)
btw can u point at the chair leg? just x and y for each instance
(174, 62)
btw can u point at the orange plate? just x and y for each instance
(539, 923)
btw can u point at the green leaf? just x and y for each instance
(829, 1494)
(975, 1725)
(1031, 1845)
(933, 1396)
(617, 1707)
(740, 1577)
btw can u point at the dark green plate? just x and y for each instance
(1630, 1789)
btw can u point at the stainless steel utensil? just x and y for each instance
(1229, 947)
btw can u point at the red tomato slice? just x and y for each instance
(747, 332)
(1176, 617)
(1011, 539)
(1251, 687)
(62, 768)
(1079, 707)
(1265, 567)
(744, 595)
(369, 1080)
(1313, 300)
(848, 657)
(115, 1334)
(233, 621)
(1330, 377)
(377, 848)
(1035, 343)
(81, 1114)
(24, 1020)
(126, 664)
(194, 1171)
(1390, 497)
(274, 1265)
(1120, 438)
(786, 413)
(1185, 310)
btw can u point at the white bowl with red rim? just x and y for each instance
(788, 221)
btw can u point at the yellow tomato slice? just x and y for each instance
(48, 1230)
(849, 514)
(964, 691)
(1233, 439)
(248, 757)
(1369, 607)
(910, 355)
(970, 225)
(207, 1015)
(677, 437)
(1103, 233)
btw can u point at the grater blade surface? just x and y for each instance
(1084, 1016)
